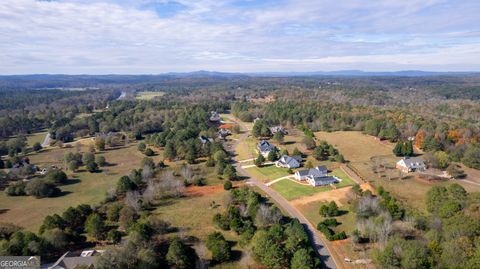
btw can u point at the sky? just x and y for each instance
(159, 36)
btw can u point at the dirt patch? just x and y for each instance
(338, 195)
(195, 191)
(427, 180)
(367, 186)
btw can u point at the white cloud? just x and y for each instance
(124, 37)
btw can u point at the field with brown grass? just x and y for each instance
(374, 161)
(84, 187)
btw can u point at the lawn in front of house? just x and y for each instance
(345, 179)
(268, 172)
(291, 190)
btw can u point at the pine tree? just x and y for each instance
(296, 152)
(279, 137)
(169, 151)
(272, 155)
(408, 149)
(229, 172)
(398, 150)
(260, 160)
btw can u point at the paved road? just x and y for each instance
(317, 241)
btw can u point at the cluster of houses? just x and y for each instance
(223, 130)
(316, 176)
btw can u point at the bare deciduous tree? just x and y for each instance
(267, 215)
(133, 200)
(147, 173)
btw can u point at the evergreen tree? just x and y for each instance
(259, 160)
(318, 153)
(95, 226)
(272, 156)
(169, 152)
(229, 172)
(398, 150)
(279, 137)
(296, 152)
(408, 148)
(177, 254)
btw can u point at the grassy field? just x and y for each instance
(84, 187)
(197, 221)
(346, 180)
(365, 152)
(268, 172)
(148, 95)
(32, 138)
(246, 149)
(36, 137)
(292, 190)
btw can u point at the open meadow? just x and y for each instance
(148, 95)
(375, 162)
(84, 187)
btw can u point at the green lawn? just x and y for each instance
(268, 173)
(291, 190)
(346, 180)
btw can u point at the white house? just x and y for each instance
(319, 171)
(288, 162)
(321, 181)
(317, 176)
(411, 164)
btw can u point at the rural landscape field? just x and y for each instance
(250, 134)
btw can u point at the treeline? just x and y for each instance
(26, 111)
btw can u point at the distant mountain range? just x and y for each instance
(203, 73)
(359, 73)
